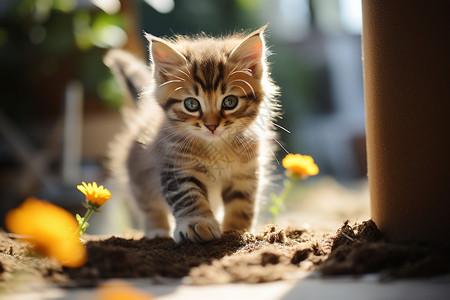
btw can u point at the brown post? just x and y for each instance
(406, 59)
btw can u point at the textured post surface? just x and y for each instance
(406, 59)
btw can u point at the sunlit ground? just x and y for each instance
(323, 204)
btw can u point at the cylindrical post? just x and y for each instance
(406, 59)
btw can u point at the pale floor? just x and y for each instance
(337, 288)
(323, 205)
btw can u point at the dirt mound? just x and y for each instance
(266, 256)
(269, 255)
(273, 254)
(361, 248)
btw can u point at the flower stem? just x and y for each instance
(278, 201)
(287, 189)
(89, 213)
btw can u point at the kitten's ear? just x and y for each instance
(164, 56)
(251, 49)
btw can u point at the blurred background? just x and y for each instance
(60, 105)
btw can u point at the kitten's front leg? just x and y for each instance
(187, 198)
(239, 202)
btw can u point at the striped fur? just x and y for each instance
(189, 158)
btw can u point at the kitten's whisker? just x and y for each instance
(248, 141)
(177, 89)
(248, 73)
(167, 153)
(249, 145)
(173, 148)
(180, 78)
(245, 148)
(279, 144)
(181, 150)
(185, 73)
(240, 88)
(164, 138)
(170, 81)
(244, 81)
(187, 70)
(184, 147)
(246, 138)
(229, 74)
(171, 135)
(191, 143)
(249, 154)
(281, 127)
(273, 153)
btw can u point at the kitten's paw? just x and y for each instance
(197, 229)
(157, 233)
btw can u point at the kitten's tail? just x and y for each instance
(133, 74)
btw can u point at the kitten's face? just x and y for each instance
(210, 88)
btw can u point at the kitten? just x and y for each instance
(201, 134)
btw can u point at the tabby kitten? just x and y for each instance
(201, 134)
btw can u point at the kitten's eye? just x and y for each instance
(191, 104)
(230, 102)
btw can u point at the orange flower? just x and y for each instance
(51, 229)
(118, 290)
(96, 195)
(300, 165)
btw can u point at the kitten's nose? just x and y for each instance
(211, 121)
(211, 127)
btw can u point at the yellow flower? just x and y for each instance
(96, 195)
(300, 165)
(118, 290)
(51, 229)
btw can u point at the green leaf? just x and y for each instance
(274, 210)
(83, 227)
(79, 219)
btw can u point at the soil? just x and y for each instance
(361, 248)
(272, 254)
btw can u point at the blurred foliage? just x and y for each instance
(47, 43)
(44, 44)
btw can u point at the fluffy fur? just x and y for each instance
(200, 136)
